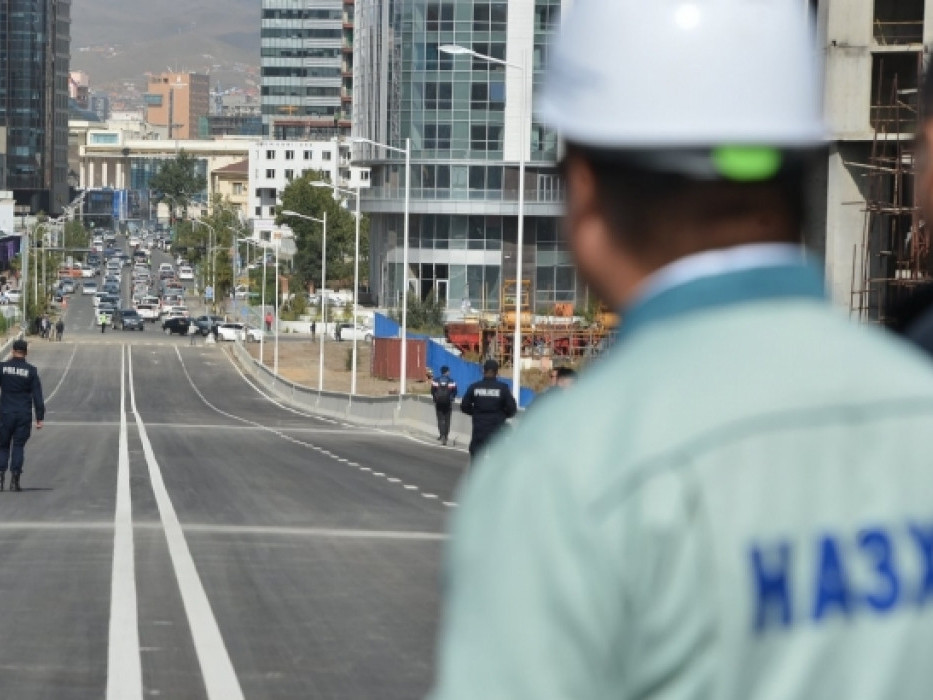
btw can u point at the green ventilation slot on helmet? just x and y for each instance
(746, 163)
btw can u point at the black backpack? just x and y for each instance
(442, 392)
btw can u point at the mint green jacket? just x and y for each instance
(736, 504)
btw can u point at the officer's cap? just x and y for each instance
(20, 346)
(490, 366)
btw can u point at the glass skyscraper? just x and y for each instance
(35, 48)
(464, 118)
(307, 68)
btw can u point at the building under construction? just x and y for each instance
(876, 248)
(893, 257)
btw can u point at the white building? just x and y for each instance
(274, 164)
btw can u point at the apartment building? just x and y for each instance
(274, 164)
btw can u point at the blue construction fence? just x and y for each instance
(461, 371)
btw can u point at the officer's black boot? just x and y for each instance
(14, 483)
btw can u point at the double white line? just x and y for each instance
(124, 676)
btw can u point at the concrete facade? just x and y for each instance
(867, 46)
(110, 160)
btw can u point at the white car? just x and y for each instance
(97, 297)
(238, 331)
(185, 273)
(148, 312)
(89, 288)
(13, 296)
(348, 332)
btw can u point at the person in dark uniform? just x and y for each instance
(20, 394)
(59, 329)
(443, 391)
(490, 403)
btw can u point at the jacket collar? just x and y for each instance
(767, 283)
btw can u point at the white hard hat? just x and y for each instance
(667, 74)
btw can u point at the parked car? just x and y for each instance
(232, 331)
(14, 296)
(346, 331)
(89, 288)
(130, 320)
(176, 325)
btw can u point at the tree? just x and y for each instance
(76, 236)
(177, 181)
(302, 197)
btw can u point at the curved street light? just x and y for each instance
(323, 222)
(456, 50)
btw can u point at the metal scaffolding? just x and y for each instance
(893, 258)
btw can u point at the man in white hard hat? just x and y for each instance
(744, 508)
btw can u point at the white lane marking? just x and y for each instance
(393, 480)
(410, 487)
(124, 665)
(429, 496)
(337, 533)
(379, 474)
(64, 374)
(220, 679)
(212, 529)
(274, 431)
(450, 504)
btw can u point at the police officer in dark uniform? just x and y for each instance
(20, 393)
(490, 403)
(443, 391)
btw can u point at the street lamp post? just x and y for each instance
(323, 222)
(403, 361)
(213, 258)
(356, 275)
(455, 50)
(262, 335)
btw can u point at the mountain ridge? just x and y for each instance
(117, 42)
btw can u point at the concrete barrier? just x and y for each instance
(414, 414)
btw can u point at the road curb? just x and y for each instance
(412, 415)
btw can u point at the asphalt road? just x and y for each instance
(181, 535)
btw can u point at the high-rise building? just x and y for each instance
(177, 102)
(35, 47)
(469, 122)
(307, 68)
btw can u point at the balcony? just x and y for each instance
(898, 22)
(898, 33)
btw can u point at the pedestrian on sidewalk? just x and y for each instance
(20, 395)
(491, 404)
(443, 391)
(268, 320)
(102, 320)
(59, 329)
(313, 329)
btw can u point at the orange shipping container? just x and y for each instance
(387, 360)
